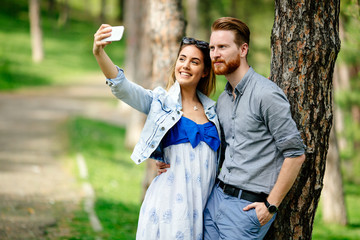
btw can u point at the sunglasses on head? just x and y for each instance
(199, 44)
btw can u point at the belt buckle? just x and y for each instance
(228, 190)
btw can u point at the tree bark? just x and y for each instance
(36, 31)
(305, 43)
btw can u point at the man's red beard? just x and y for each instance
(227, 68)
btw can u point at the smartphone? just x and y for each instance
(116, 34)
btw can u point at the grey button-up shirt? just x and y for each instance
(259, 133)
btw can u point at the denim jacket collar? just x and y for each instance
(175, 93)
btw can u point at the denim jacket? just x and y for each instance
(163, 110)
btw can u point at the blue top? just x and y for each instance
(186, 130)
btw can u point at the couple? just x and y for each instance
(258, 157)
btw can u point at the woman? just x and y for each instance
(182, 130)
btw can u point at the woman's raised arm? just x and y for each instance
(107, 66)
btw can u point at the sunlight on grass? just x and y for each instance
(115, 178)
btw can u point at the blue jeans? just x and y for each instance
(225, 219)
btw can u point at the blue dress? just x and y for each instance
(175, 200)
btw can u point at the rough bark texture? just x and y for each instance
(305, 43)
(36, 31)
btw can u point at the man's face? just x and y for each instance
(224, 53)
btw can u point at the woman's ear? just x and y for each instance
(205, 73)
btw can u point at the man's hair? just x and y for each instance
(239, 28)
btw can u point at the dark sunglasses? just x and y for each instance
(199, 44)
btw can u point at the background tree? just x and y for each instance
(192, 16)
(36, 31)
(332, 196)
(305, 43)
(333, 201)
(64, 13)
(151, 47)
(164, 39)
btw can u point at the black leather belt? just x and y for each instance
(246, 195)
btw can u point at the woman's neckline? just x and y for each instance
(200, 124)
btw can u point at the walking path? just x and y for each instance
(36, 190)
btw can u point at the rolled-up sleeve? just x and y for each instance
(277, 116)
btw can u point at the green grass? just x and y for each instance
(325, 231)
(117, 183)
(115, 178)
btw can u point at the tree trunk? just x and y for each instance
(103, 11)
(305, 43)
(333, 202)
(164, 39)
(341, 84)
(36, 31)
(64, 13)
(138, 56)
(334, 209)
(193, 19)
(167, 28)
(121, 4)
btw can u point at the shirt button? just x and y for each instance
(173, 118)
(139, 161)
(152, 146)
(233, 137)
(162, 128)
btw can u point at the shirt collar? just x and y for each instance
(240, 88)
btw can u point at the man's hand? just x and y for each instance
(262, 212)
(161, 167)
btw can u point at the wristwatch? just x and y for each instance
(271, 208)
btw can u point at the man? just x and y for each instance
(262, 146)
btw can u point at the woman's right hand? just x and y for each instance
(161, 167)
(103, 32)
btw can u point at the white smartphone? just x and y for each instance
(116, 34)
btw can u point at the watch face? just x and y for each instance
(272, 209)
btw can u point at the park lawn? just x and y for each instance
(67, 51)
(117, 183)
(116, 179)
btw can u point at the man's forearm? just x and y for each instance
(286, 179)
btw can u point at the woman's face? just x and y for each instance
(189, 68)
